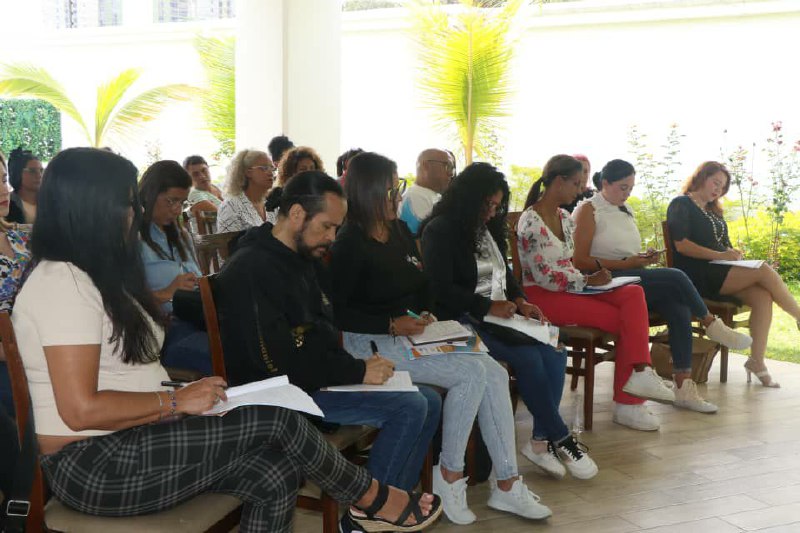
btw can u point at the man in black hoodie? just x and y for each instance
(275, 318)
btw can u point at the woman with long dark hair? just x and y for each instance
(25, 175)
(169, 262)
(89, 336)
(545, 240)
(606, 233)
(699, 235)
(378, 283)
(464, 249)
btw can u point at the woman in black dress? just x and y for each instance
(700, 235)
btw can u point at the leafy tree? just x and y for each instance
(218, 99)
(464, 66)
(119, 117)
(32, 124)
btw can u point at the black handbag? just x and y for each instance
(188, 306)
(17, 506)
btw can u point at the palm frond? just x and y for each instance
(218, 100)
(130, 119)
(109, 96)
(30, 81)
(464, 66)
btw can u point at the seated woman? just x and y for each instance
(464, 246)
(586, 190)
(14, 262)
(250, 176)
(169, 262)
(699, 235)
(545, 241)
(25, 175)
(204, 196)
(294, 161)
(113, 440)
(606, 233)
(378, 282)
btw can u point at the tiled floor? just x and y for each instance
(738, 470)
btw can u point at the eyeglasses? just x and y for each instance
(172, 202)
(449, 167)
(494, 207)
(265, 168)
(396, 192)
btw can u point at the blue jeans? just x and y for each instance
(540, 373)
(407, 422)
(670, 293)
(185, 346)
(476, 386)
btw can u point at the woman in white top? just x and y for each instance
(250, 176)
(606, 234)
(114, 441)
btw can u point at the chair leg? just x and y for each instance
(576, 368)
(723, 353)
(426, 476)
(588, 389)
(330, 514)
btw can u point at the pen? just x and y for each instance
(172, 384)
(412, 314)
(373, 347)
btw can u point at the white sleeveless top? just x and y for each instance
(615, 233)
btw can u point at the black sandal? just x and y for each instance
(372, 523)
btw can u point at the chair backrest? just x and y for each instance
(22, 403)
(667, 242)
(211, 249)
(516, 266)
(212, 326)
(206, 222)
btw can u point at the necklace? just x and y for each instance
(715, 221)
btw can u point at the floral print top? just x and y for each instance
(546, 259)
(13, 270)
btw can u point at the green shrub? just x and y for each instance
(33, 124)
(520, 183)
(788, 263)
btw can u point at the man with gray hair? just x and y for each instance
(435, 169)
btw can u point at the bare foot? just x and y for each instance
(395, 503)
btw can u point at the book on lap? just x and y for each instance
(544, 333)
(744, 263)
(615, 283)
(442, 331)
(275, 391)
(399, 382)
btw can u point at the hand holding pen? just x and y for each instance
(601, 277)
(378, 368)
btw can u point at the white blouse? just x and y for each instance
(237, 213)
(615, 233)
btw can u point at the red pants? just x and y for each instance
(622, 312)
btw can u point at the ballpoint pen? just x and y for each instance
(412, 314)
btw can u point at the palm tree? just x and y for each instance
(464, 64)
(218, 101)
(115, 121)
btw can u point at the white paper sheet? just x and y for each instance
(399, 382)
(274, 391)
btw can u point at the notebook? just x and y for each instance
(744, 263)
(544, 333)
(273, 391)
(445, 330)
(399, 382)
(615, 283)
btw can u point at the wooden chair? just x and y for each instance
(725, 310)
(206, 222)
(349, 440)
(212, 250)
(587, 347)
(207, 512)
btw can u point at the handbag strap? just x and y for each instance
(18, 505)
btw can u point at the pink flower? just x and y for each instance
(545, 269)
(543, 231)
(538, 258)
(777, 126)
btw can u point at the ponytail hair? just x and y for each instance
(615, 170)
(561, 165)
(597, 179)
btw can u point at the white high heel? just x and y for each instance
(763, 376)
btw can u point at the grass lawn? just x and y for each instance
(784, 338)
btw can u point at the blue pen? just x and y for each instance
(412, 314)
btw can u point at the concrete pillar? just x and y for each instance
(288, 59)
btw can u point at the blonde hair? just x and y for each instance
(699, 178)
(236, 181)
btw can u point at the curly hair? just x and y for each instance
(465, 202)
(236, 181)
(292, 157)
(701, 175)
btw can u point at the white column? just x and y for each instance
(138, 13)
(259, 72)
(288, 57)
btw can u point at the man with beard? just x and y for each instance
(275, 318)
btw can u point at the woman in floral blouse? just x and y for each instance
(545, 246)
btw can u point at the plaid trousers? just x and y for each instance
(258, 454)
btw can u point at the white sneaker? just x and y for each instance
(648, 385)
(636, 416)
(547, 460)
(454, 498)
(687, 397)
(577, 461)
(519, 500)
(719, 332)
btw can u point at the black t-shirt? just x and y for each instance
(374, 281)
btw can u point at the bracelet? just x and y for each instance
(160, 405)
(173, 403)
